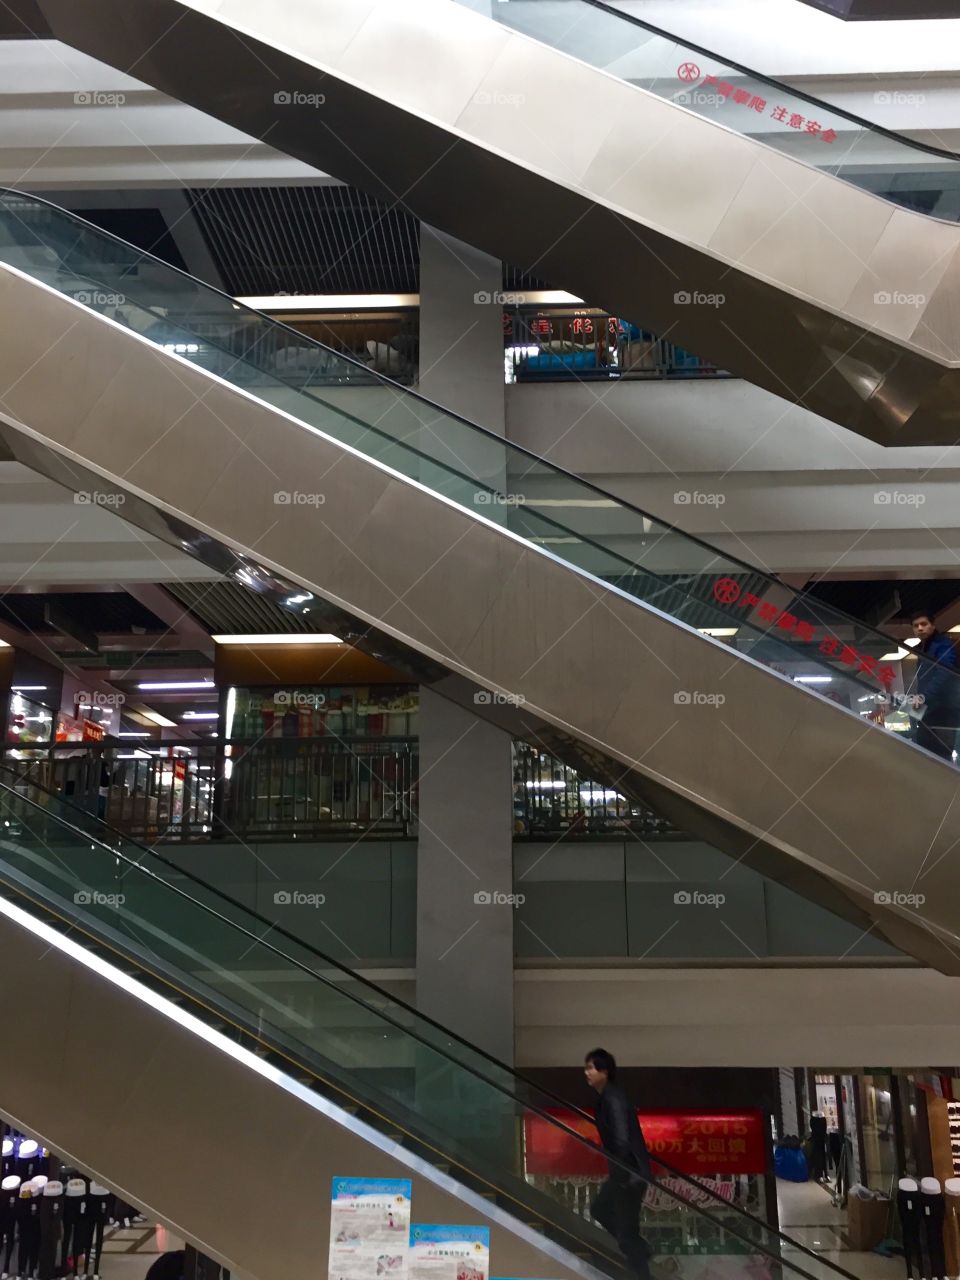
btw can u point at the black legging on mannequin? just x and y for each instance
(908, 1206)
(28, 1234)
(932, 1213)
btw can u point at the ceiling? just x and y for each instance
(256, 241)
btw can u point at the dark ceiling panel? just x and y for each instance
(878, 601)
(94, 612)
(887, 10)
(228, 608)
(146, 228)
(22, 20)
(318, 239)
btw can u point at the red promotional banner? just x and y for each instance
(701, 1142)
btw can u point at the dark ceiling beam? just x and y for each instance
(61, 621)
(176, 616)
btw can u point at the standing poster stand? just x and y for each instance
(370, 1228)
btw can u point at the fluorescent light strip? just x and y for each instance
(28, 688)
(200, 715)
(381, 301)
(896, 657)
(280, 638)
(157, 685)
(718, 633)
(145, 734)
(813, 679)
(157, 718)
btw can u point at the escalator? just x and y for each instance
(788, 242)
(220, 1073)
(737, 707)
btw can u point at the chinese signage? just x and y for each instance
(712, 1142)
(728, 592)
(369, 1228)
(690, 73)
(449, 1253)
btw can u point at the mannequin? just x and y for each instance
(28, 1230)
(908, 1206)
(29, 1158)
(100, 1210)
(932, 1217)
(74, 1225)
(51, 1224)
(818, 1143)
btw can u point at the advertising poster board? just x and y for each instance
(369, 1228)
(449, 1253)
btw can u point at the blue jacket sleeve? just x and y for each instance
(940, 684)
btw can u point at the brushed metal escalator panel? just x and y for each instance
(436, 108)
(173, 1121)
(800, 782)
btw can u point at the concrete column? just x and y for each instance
(461, 329)
(465, 859)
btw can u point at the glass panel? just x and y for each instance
(796, 634)
(356, 1042)
(923, 178)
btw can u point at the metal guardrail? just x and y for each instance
(317, 788)
(568, 344)
(264, 790)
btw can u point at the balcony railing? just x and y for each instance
(566, 344)
(552, 801)
(318, 788)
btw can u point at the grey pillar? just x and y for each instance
(461, 333)
(461, 368)
(465, 859)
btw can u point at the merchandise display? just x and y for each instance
(908, 1207)
(319, 711)
(52, 1220)
(932, 1221)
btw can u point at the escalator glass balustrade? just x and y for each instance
(820, 649)
(254, 982)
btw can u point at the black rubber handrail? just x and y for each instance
(270, 928)
(837, 615)
(940, 152)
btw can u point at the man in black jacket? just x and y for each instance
(617, 1207)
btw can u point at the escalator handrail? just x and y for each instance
(274, 929)
(838, 615)
(941, 152)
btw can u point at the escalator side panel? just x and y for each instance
(630, 202)
(230, 1159)
(778, 764)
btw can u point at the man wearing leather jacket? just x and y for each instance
(617, 1207)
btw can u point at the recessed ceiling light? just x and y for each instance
(282, 637)
(157, 718)
(176, 684)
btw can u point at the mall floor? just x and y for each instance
(807, 1214)
(129, 1252)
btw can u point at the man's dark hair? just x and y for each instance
(603, 1061)
(922, 613)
